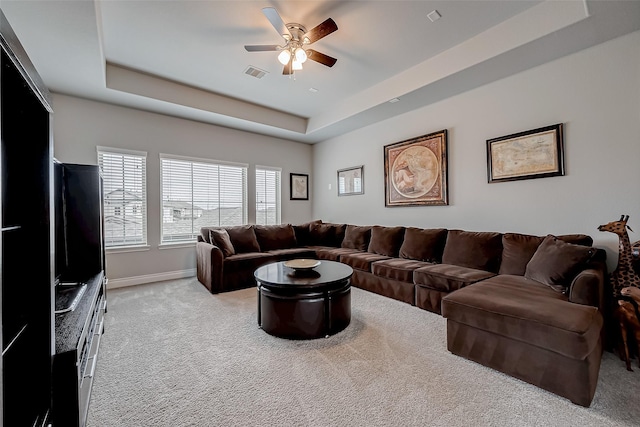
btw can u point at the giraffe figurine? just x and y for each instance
(624, 275)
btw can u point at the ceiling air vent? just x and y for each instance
(255, 72)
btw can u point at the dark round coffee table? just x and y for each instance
(304, 304)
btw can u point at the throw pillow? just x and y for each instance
(557, 262)
(386, 240)
(243, 239)
(356, 237)
(221, 239)
(423, 244)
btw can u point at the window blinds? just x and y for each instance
(267, 196)
(125, 196)
(199, 193)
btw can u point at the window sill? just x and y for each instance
(123, 249)
(176, 245)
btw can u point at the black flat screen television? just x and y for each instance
(68, 294)
(61, 261)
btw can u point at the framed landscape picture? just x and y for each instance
(351, 181)
(536, 153)
(415, 171)
(299, 185)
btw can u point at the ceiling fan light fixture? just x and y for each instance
(296, 65)
(284, 57)
(301, 55)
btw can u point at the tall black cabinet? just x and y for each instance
(26, 273)
(79, 263)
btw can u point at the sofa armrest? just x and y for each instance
(587, 288)
(209, 264)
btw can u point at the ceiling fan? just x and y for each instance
(294, 52)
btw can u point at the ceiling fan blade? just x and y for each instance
(327, 60)
(261, 47)
(288, 69)
(274, 17)
(321, 30)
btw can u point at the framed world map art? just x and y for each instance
(536, 153)
(415, 171)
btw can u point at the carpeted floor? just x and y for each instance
(175, 355)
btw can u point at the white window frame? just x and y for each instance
(195, 233)
(278, 192)
(143, 244)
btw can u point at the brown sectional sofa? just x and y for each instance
(529, 306)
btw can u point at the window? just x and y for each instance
(267, 195)
(199, 193)
(125, 196)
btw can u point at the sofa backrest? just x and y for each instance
(272, 237)
(243, 238)
(328, 234)
(356, 237)
(518, 249)
(386, 240)
(423, 244)
(473, 249)
(303, 232)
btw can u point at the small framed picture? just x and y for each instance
(299, 184)
(351, 181)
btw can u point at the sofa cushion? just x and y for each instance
(423, 244)
(220, 238)
(247, 261)
(243, 239)
(333, 254)
(557, 262)
(397, 269)
(517, 250)
(292, 253)
(327, 234)
(272, 237)
(527, 311)
(386, 240)
(480, 250)
(303, 232)
(361, 260)
(448, 277)
(356, 237)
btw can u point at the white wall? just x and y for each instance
(595, 93)
(80, 125)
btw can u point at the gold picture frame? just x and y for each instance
(415, 171)
(536, 153)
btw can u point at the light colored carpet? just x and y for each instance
(175, 355)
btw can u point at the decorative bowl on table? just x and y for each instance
(302, 264)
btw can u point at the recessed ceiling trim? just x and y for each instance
(142, 84)
(528, 26)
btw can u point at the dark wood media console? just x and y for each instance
(78, 335)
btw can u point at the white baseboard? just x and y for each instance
(149, 278)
